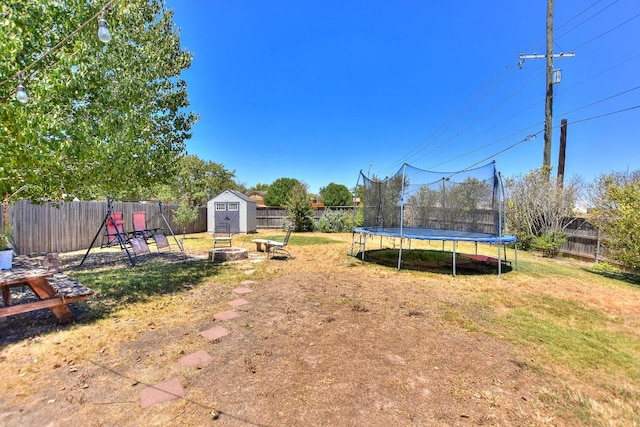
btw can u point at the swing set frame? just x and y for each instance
(120, 236)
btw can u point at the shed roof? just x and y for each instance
(238, 195)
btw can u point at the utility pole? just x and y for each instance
(548, 99)
(552, 77)
(562, 152)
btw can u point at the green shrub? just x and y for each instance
(549, 243)
(299, 208)
(333, 221)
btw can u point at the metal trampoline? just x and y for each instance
(463, 206)
(434, 234)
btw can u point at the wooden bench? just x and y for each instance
(54, 290)
(262, 245)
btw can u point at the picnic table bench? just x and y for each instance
(54, 290)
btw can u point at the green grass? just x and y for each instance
(391, 255)
(119, 288)
(575, 336)
(607, 270)
(296, 239)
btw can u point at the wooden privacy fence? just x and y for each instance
(273, 216)
(71, 226)
(583, 240)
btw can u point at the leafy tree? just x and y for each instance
(279, 191)
(336, 195)
(423, 208)
(185, 215)
(258, 187)
(537, 209)
(382, 201)
(358, 219)
(102, 119)
(469, 195)
(197, 181)
(602, 207)
(299, 208)
(616, 209)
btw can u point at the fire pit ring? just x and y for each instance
(228, 254)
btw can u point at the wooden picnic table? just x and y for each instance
(54, 290)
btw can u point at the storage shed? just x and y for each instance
(233, 208)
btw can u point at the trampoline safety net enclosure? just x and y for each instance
(466, 205)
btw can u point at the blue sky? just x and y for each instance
(318, 91)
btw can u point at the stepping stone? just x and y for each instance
(196, 360)
(214, 333)
(248, 282)
(226, 315)
(242, 291)
(238, 302)
(161, 392)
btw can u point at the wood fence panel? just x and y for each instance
(273, 216)
(70, 226)
(583, 240)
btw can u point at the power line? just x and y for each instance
(461, 131)
(599, 73)
(610, 30)
(586, 20)
(585, 10)
(566, 113)
(480, 118)
(601, 100)
(444, 127)
(486, 145)
(606, 114)
(526, 139)
(475, 100)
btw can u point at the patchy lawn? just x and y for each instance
(321, 342)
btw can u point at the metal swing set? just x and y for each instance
(135, 242)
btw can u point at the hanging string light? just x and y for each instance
(103, 30)
(21, 93)
(103, 35)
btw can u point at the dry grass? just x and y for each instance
(324, 343)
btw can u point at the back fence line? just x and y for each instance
(71, 226)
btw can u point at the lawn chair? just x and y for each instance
(139, 246)
(274, 247)
(140, 226)
(114, 233)
(141, 231)
(222, 235)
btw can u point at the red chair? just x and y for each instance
(115, 234)
(140, 230)
(140, 225)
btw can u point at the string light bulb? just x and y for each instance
(21, 93)
(103, 30)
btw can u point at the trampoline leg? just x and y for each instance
(454, 257)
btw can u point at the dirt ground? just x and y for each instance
(320, 343)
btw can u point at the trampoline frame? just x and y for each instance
(431, 234)
(438, 234)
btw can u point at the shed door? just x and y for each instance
(228, 213)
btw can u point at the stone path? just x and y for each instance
(171, 388)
